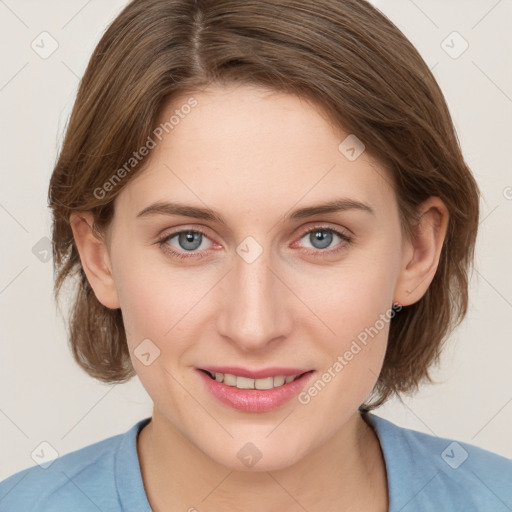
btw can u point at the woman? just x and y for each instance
(272, 225)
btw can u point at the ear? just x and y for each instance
(95, 258)
(421, 253)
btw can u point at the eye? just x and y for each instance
(321, 237)
(190, 243)
(187, 241)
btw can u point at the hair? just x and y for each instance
(343, 55)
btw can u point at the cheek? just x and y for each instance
(145, 297)
(350, 297)
(160, 304)
(355, 310)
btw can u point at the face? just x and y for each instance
(257, 288)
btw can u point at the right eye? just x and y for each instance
(188, 241)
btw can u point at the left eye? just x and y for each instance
(321, 238)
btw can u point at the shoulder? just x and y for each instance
(427, 471)
(80, 480)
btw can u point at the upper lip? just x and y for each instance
(254, 374)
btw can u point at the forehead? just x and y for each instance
(244, 146)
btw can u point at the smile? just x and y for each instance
(256, 391)
(248, 383)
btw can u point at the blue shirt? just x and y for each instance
(425, 473)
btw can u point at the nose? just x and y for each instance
(254, 308)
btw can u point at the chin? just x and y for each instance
(254, 456)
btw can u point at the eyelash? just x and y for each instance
(314, 252)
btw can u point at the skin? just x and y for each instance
(253, 156)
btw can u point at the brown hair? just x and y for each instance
(345, 56)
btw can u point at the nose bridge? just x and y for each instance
(254, 311)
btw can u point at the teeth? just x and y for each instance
(229, 380)
(246, 383)
(279, 380)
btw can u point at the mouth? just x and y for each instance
(264, 391)
(243, 382)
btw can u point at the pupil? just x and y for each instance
(324, 237)
(190, 238)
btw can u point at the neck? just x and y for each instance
(179, 476)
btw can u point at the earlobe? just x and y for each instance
(422, 252)
(95, 259)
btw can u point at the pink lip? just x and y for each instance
(255, 400)
(255, 374)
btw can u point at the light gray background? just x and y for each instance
(45, 396)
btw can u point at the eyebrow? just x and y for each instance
(172, 208)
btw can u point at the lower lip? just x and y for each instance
(255, 400)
